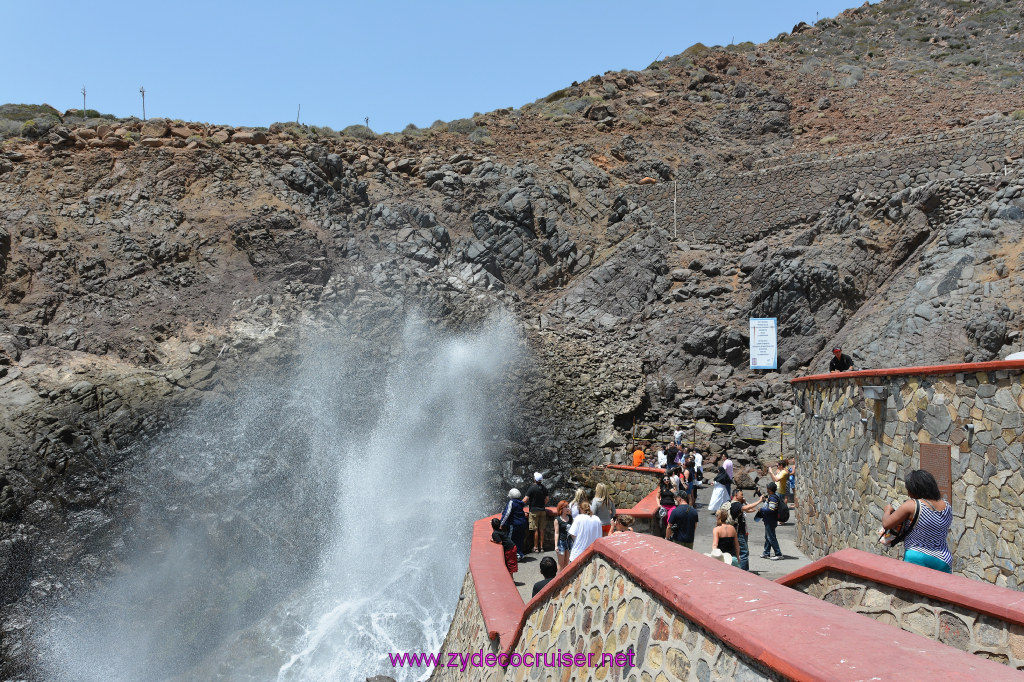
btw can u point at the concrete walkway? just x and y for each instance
(529, 568)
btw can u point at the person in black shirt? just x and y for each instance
(682, 523)
(737, 510)
(840, 362)
(548, 570)
(536, 497)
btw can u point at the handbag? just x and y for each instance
(891, 538)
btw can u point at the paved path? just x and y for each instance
(529, 568)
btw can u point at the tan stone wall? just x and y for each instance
(628, 487)
(604, 611)
(951, 624)
(467, 633)
(848, 470)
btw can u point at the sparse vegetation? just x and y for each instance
(360, 132)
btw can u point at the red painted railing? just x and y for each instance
(759, 619)
(905, 371)
(998, 602)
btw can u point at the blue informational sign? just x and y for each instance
(764, 346)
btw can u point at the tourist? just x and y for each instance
(677, 436)
(925, 545)
(682, 524)
(662, 458)
(666, 497)
(671, 452)
(780, 474)
(675, 476)
(622, 523)
(720, 493)
(537, 499)
(513, 520)
(548, 570)
(839, 361)
(791, 483)
(737, 511)
(724, 535)
(563, 541)
(690, 476)
(584, 530)
(574, 506)
(638, 457)
(770, 517)
(509, 549)
(603, 506)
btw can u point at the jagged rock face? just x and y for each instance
(138, 279)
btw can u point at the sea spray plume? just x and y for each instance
(418, 471)
(307, 527)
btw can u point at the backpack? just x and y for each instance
(783, 511)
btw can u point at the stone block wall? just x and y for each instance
(952, 624)
(671, 613)
(852, 454)
(629, 485)
(603, 610)
(467, 633)
(732, 209)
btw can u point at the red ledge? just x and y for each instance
(500, 602)
(904, 371)
(642, 470)
(773, 624)
(1002, 603)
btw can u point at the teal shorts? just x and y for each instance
(912, 556)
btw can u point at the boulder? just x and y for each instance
(154, 127)
(151, 142)
(221, 136)
(181, 131)
(748, 425)
(250, 137)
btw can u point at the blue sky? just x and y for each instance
(397, 63)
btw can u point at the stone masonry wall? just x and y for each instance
(628, 487)
(850, 469)
(604, 611)
(951, 624)
(467, 633)
(736, 208)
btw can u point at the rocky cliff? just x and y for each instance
(858, 179)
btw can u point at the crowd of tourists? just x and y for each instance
(577, 523)
(922, 522)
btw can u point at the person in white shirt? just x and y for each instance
(662, 458)
(584, 530)
(677, 436)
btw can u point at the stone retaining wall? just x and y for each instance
(732, 209)
(671, 613)
(852, 454)
(603, 610)
(468, 633)
(629, 484)
(952, 624)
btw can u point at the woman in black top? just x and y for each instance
(667, 495)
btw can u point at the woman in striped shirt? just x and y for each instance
(925, 545)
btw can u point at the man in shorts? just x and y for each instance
(536, 499)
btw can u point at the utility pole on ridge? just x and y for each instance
(142, 90)
(83, 101)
